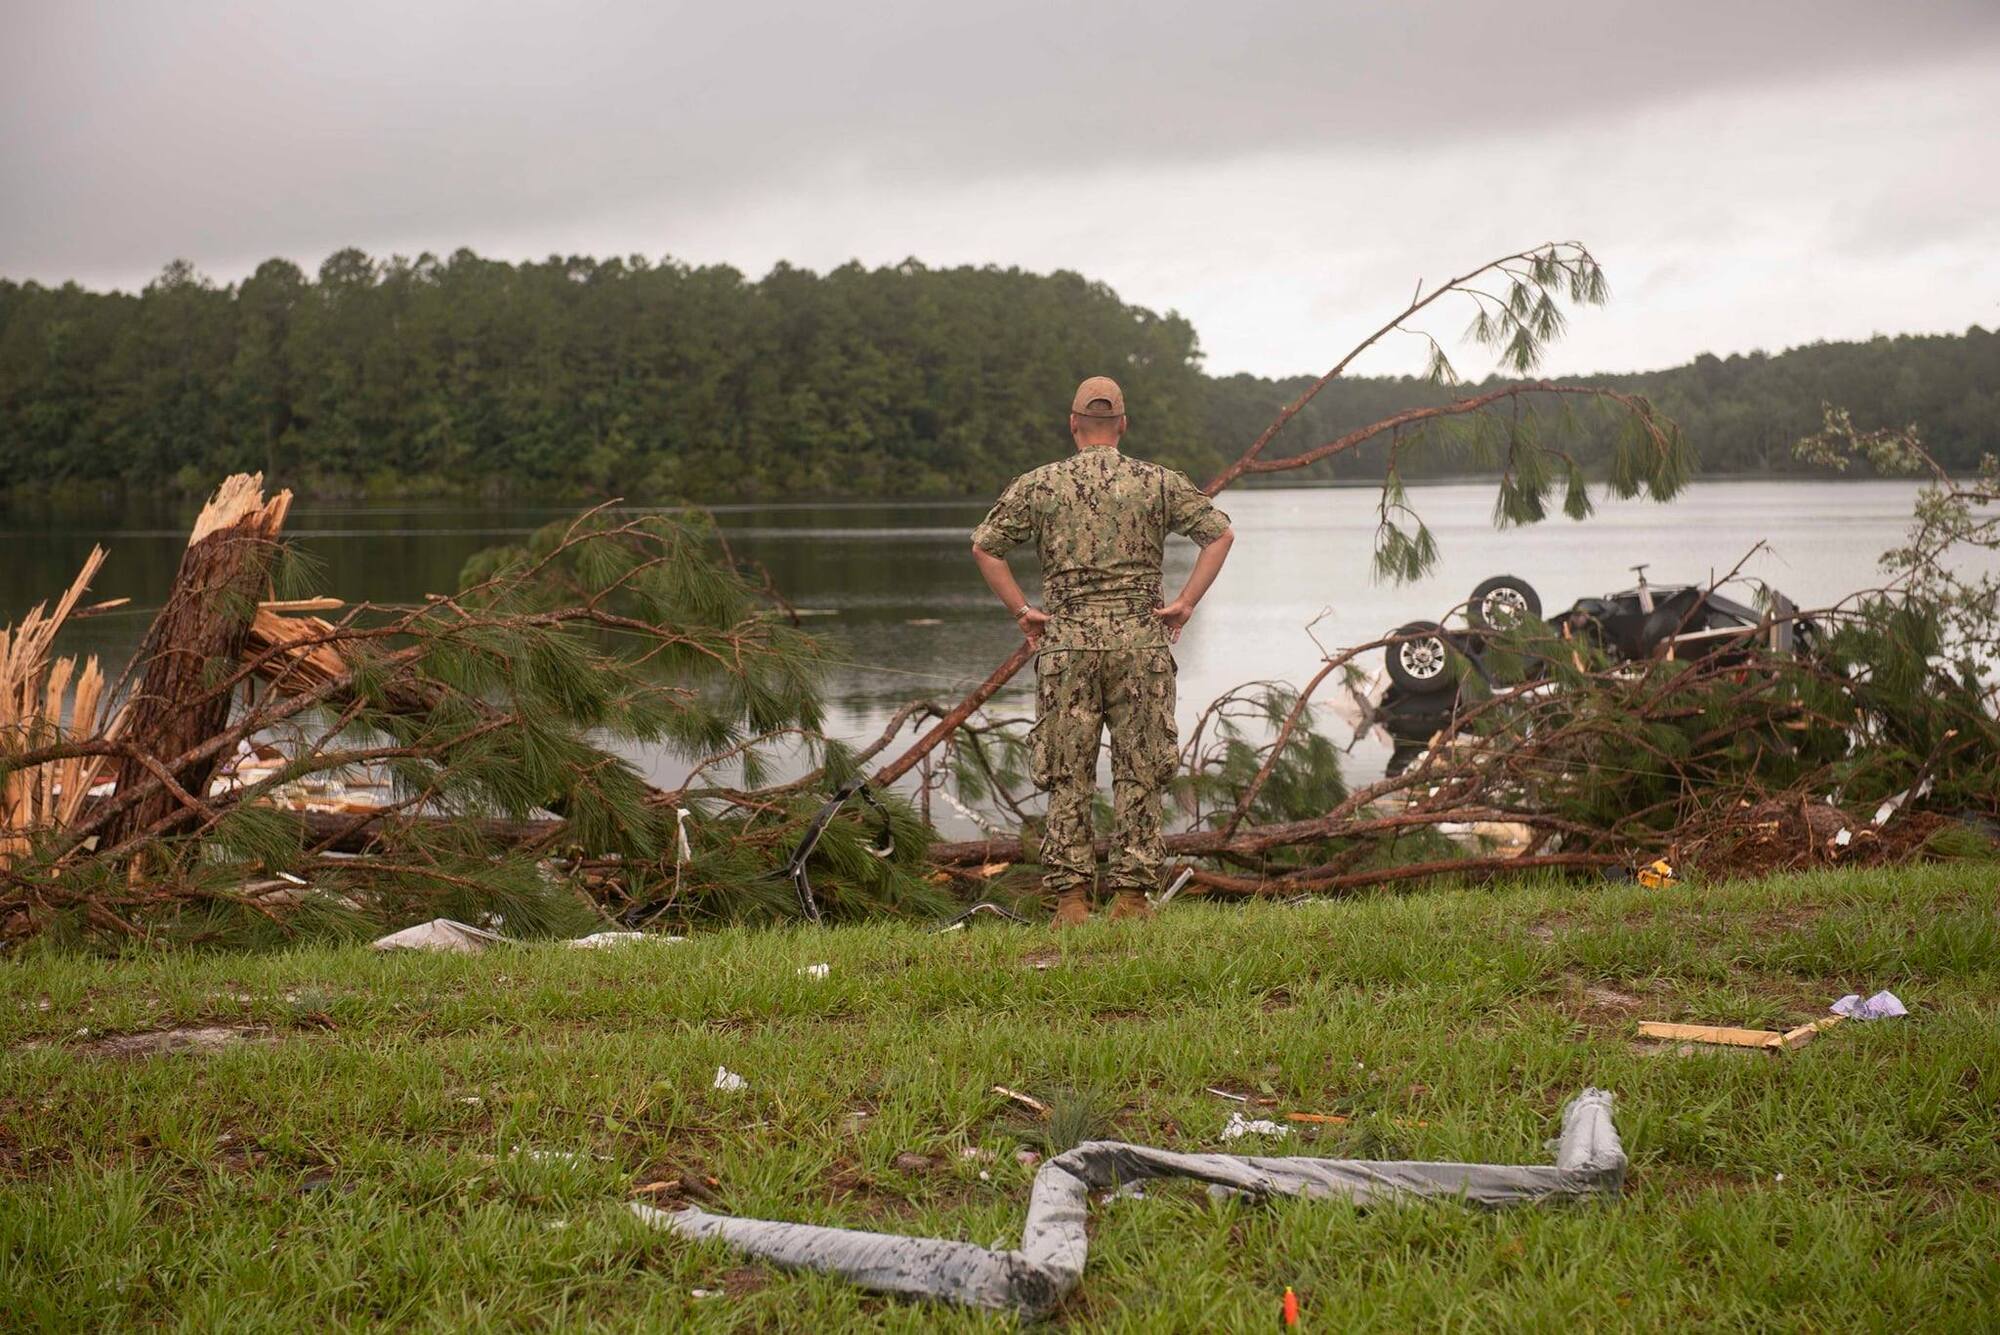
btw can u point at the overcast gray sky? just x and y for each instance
(1755, 173)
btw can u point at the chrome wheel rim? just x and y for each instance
(1504, 607)
(1423, 659)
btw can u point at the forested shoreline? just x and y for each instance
(580, 377)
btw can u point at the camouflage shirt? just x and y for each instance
(1100, 521)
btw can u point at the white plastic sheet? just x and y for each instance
(444, 934)
(608, 940)
(1032, 1279)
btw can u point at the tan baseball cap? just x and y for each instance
(1098, 387)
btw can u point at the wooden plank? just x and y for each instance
(1804, 1033)
(1711, 1033)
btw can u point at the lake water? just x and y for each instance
(906, 615)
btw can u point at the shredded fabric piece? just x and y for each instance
(1590, 1161)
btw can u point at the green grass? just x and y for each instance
(365, 1162)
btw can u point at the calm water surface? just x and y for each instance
(905, 613)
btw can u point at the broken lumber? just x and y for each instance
(1721, 1035)
(1769, 1040)
(1793, 1038)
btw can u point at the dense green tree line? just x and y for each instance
(581, 376)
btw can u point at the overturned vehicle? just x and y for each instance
(1428, 663)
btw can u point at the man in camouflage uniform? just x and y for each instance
(1100, 521)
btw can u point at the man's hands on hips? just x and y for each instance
(1175, 616)
(1032, 621)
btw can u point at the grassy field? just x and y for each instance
(446, 1141)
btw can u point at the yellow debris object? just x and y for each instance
(1658, 874)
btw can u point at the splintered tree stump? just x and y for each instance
(193, 645)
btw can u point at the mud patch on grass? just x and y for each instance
(1600, 1005)
(197, 1039)
(1548, 927)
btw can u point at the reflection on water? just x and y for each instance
(872, 571)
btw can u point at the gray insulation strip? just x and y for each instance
(1590, 1161)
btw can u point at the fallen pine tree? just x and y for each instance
(502, 720)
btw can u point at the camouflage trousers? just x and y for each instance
(1079, 692)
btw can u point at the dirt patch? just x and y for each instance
(1041, 959)
(188, 1038)
(1548, 928)
(1602, 1006)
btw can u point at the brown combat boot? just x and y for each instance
(1072, 907)
(1130, 904)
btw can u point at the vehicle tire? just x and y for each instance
(1501, 602)
(1424, 663)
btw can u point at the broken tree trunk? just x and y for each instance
(193, 645)
(34, 693)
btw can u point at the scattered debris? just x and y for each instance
(1033, 1105)
(1034, 1278)
(1657, 875)
(559, 1156)
(1882, 1006)
(603, 940)
(1724, 1036)
(1027, 1158)
(816, 970)
(1887, 811)
(983, 906)
(443, 934)
(729, 1080)
(1240, 1126)
(1166, 897)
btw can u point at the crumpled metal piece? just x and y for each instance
(1031, 1280)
